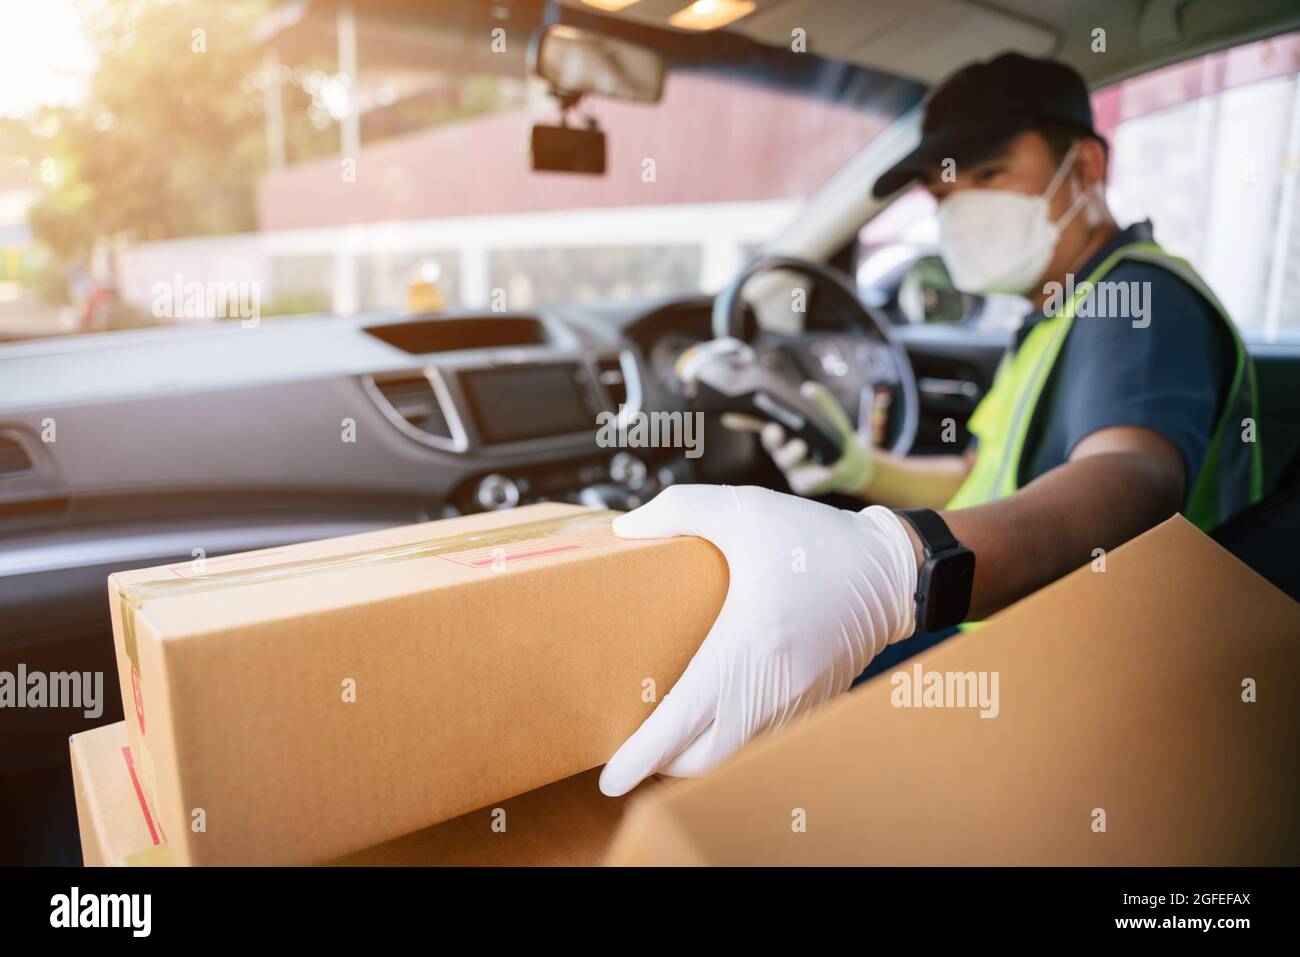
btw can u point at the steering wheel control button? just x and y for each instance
(496, 492)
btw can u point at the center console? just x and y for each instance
(524, 426)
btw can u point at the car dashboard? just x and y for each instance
(142, 447)
(138, 447)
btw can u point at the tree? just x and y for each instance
(170, 141)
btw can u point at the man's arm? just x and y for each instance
(895, 481)
(915, 481)
(1117, 483)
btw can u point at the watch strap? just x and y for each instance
(933, 531)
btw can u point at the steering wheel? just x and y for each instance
(749, 387)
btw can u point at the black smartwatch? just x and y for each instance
(943, 585)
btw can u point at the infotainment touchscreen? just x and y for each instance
(527, 402)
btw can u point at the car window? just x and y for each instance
(1209, 151)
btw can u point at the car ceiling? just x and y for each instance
(926, 40)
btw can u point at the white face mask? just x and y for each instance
(995, 240)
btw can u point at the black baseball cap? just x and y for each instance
(975, 111)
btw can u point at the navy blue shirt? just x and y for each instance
(1166, 376)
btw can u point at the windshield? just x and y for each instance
(189, 162)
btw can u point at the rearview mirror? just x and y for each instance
(578, 62)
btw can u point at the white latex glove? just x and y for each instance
(816, 592)
(853, 471)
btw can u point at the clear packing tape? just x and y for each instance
(132, 597)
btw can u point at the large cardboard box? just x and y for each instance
(293, 705)
(1144, 714)
(566, 823)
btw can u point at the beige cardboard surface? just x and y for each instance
(1119, 692)
(112, 815)
(566, 823)
(482, 668)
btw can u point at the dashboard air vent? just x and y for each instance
(13, 457)
(611, 377)
(415, 401)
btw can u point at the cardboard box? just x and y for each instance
(1120, 693)
(566, 823)
(116, 825)
(294, 705)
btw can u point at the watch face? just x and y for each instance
(948, 594)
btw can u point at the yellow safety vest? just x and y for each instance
(1001, 422)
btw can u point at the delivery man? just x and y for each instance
(1127, 397)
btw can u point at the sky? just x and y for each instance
(44, 57)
